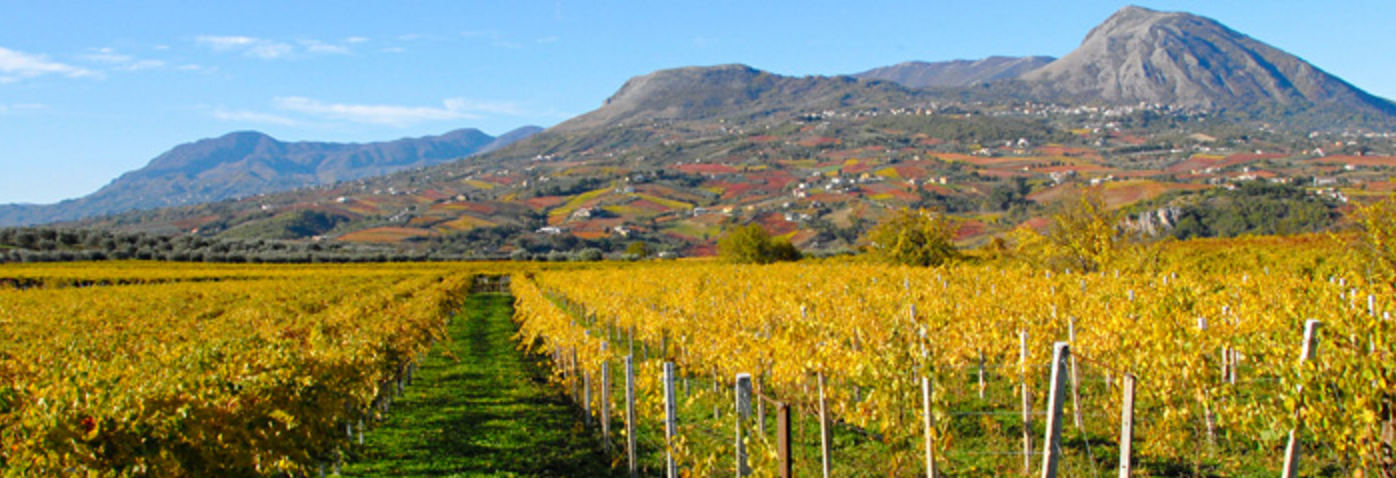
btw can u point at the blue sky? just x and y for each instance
(89, 90)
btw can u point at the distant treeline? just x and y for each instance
(50, 244)
(1253, 208)
(47, 244)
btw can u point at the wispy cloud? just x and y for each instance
(15, 66)
(391, 115)
(303, 111)
(21, 107)
(248, 46)
(267, 49)
(120, 61)
(254, 117)
(322, 48)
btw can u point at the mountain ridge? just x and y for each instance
(955, 73)
(1191, 61)
(245, 163)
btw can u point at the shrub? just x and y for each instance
(638, 250)
(1376, 224)
(914, 237)
(1083, 235)
(751, 244)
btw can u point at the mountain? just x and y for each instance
(1185, 60)
(920, 74)
(727, 91)
(676, 157)
(248, 163)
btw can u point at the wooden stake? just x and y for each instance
(1027, 402)
(787, 469)
(930, 427)
(1126, 426)
(1307, 353)
(743, 415)
(1051, 442)
(630, 415)
(586, 398)
(981, 374)
(671, 421)
(606, 406)
(824, 438)
(1075, 384)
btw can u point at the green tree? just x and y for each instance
(1376, 224)
(638, 250)
(914, 237)
(1082, 235)
(751, 244)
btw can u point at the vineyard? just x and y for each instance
(134, 369)
(1205, 358)
(1215, 351)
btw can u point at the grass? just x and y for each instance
(480, 407)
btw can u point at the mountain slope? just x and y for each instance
(247, 163)
(726, 91)
(920, 74)
(1185, 60)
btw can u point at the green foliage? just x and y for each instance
(1083, 235)
(1377, 227)
(914, 237)
(1255, 208)
(301, 224)
(751, 244)
(638, 250)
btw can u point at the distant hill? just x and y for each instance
(727, 91)
(920, 74)
(1185, 60)
(675, 157)
(248, 163)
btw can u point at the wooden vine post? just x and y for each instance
(824, 437)
(1051, 442)
(1027, 402)
(742, 417)
(605, 401)
(930, 423)
(630, 415)
(1126, 425)
(1307, 353)
(671, 421)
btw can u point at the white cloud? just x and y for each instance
(303, 111)
(227, 42)
(495, 107)
(319, 47)
(196, 68)
(254, 117)
(108, 55)
(248, 46)
(275, 50)
(121, 61)
(21, 107)
(15, 66)
(391, 115)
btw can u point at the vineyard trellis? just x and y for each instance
(1214, 359)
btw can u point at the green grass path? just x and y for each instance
(479, 407)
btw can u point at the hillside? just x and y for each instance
(956, 73)
(248, 163)
(1188, 61)
(676, 157)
